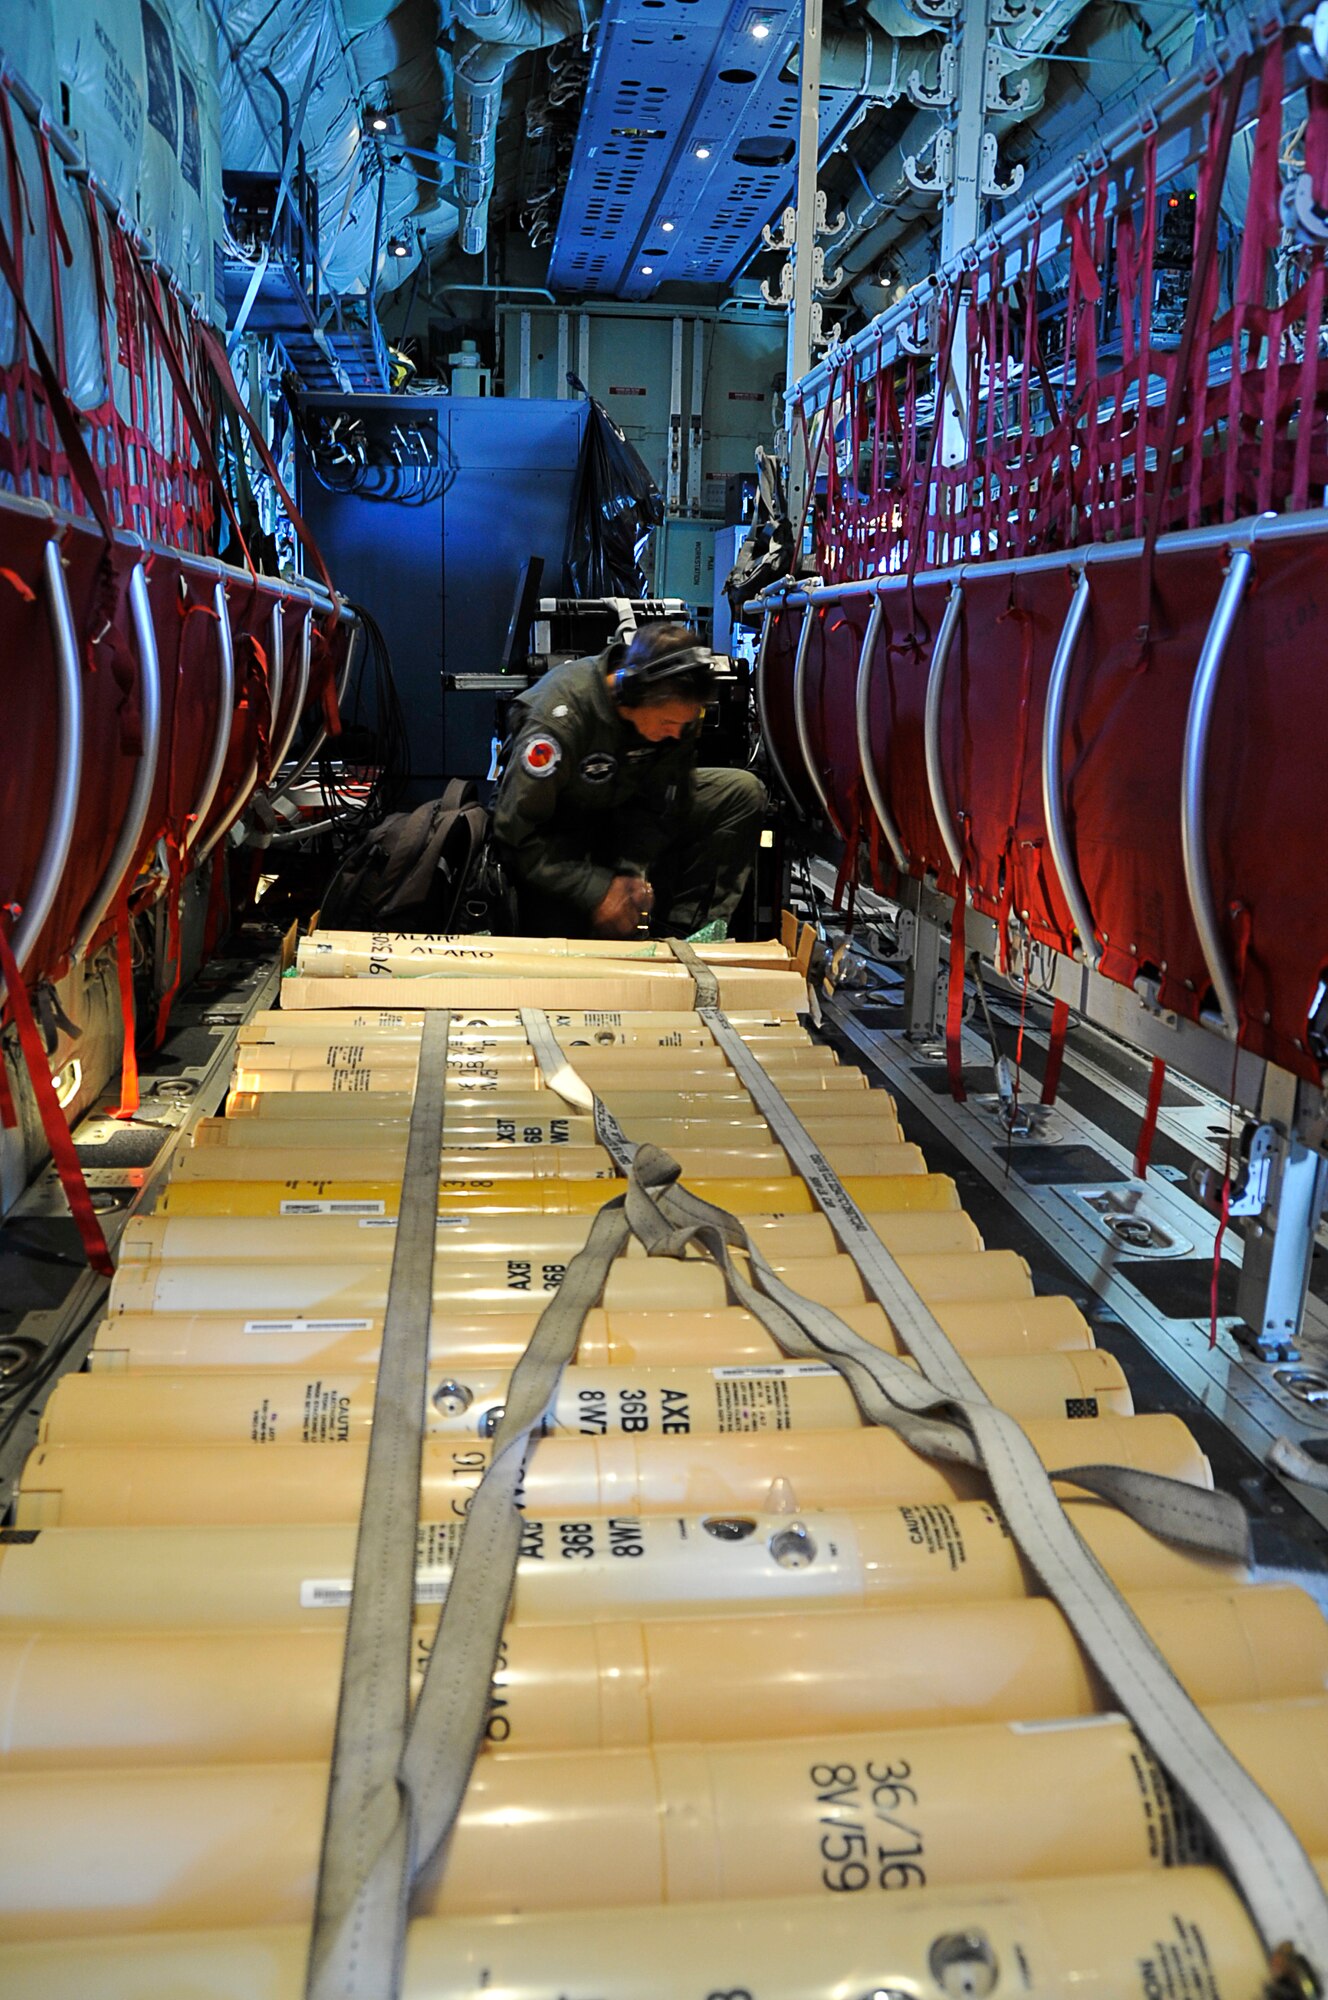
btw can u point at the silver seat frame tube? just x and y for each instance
(862, 701)
(59, 835)
(762, 706)
(1194, 787)
(125, 854)
(1053, 775)
(225, 716)
(800, 722)
(940, 659)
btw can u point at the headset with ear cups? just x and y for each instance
(629, 680)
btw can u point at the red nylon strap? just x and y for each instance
(1316, 142)
(1309, 375)
(1147, 247)
(950, 309)
(8, 1115)
(217, 355)
(954, 1002)
(1143, 1152)
(1220, 134)
(1214, 1287)
(52, 1117)
(185, 397)
(80, 462)
(174, 877)
(124, 968)
(1262, 227)
(1051, 1076)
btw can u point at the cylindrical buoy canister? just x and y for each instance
(275, 1408)
(347, 1238)
(1107, 1937)
(513, 1283)
(492, 1164)
(83, 1852)
(301, 1038)
(369, 1109)
(559, 986)
(612, 1073)
(676, 1566)
(910, 1187)
(90, 1485)
(317, 1024)
(479, 1339)
(106, 1699)
(364, 948)
(486, 1121)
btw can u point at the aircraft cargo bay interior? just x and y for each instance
(663, 1000)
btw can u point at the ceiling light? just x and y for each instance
(760, 30)
(647, 270)
(667, 227)
(398, 247)
(377, 121)
(703, 152)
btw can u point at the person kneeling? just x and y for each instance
(602, 816)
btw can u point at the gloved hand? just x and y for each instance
(619, 912)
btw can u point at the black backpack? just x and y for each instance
(433, 869)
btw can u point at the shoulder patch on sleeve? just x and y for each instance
(540, 756)
(599, 766)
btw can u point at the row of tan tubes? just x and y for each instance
(780, 1714)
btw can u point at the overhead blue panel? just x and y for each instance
(686, 145)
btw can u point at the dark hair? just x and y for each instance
(648, 676)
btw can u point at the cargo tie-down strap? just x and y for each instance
(941, 1412)
(364, 1873)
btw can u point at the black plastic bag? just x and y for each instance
(768, 550)
(617, 504)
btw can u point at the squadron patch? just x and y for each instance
(541, 756)
(598, 767)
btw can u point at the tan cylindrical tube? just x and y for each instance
(89, 1485)
(218, 1341)
(95, 1701)
(645, 1061)
(364, 947)
(611, 1072)
(398, 1028)
(693, 1051)
(1107, 1937)
(911, 1186)
(525, 1127)
(557, 986)
(685, 1566)
(83, 1852)
(365, 1113)
(160, 1239)
(314, 1027)
(346, 1162)
(509, 1284)
(530, 1120)
(276, 1408)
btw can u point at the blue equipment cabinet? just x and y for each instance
(482, 484)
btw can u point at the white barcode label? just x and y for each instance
(1064, 1722)
(778, 1371)
(333, 1593)
(307, 1325)
(332, 1207)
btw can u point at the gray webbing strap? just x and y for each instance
(363, 1880)
(560, 1077)
(703, 978)
(453, 1707)
(1266, 1860)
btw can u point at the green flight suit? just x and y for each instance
(585, 798)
